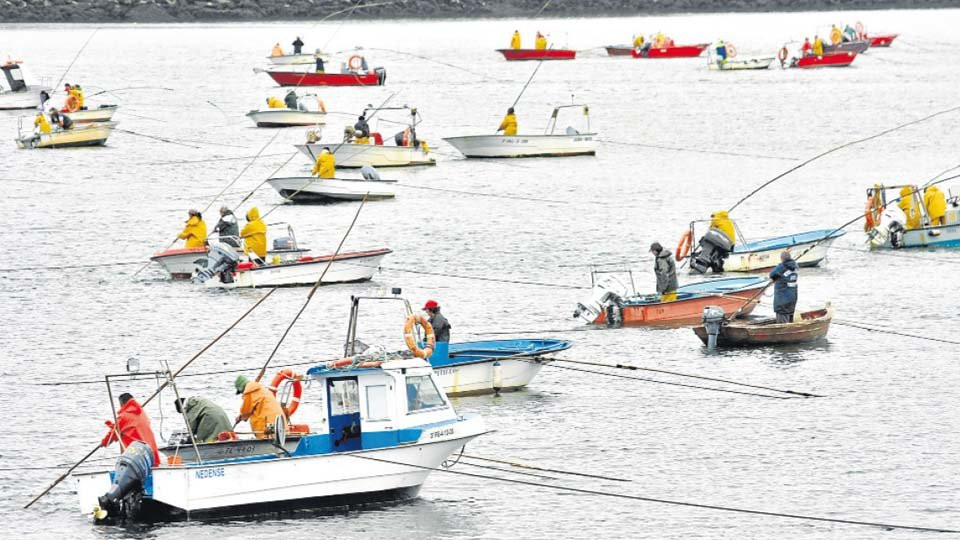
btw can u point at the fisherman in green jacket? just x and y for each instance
(206, 418)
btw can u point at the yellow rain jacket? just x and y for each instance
(254, 234)
(909, 208)
(835, 35)
(515, 41)
(195, 233)
(541, 42)
(277, 51)
(936, 203)
(275, 103)
(721, 220)
(660, 40)
(41, 120)
(79, 94)
(638, 41)
(509, 125)
(326, 165)
(259, 406)
(818, 47)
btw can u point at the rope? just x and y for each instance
(662, 501)
(480, 278)
(894, 332)
(479, 194)
(454, 66)
(682, 149)
(900, 255)
(68, 267)
(559, 471)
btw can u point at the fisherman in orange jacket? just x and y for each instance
(259, 406)
(133, 425)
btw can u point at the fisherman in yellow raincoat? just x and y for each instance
(541, 41)
(195, 231)
(326, 164)
(509, 124)
(659, 40)
(836, 36)
(275, 103)
(910, 209)
(254, 235)
(817, 46)
(78, 92)
(721, 221)
(277, 51)
(259, 406)
(515, 40)
(936, 204)
(638, 41)
(41, 122)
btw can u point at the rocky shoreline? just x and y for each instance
(158, 11)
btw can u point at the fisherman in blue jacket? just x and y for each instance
(784, 277)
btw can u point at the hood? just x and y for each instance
(664, 254)
(253, 214)
(720, 214)
(190, 404)
(131, 407)
(252, 387)
(791, 265)
(193, 220)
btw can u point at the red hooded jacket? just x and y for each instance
(134, 426)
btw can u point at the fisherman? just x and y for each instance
(817, 46)
(515, 40)
(326, 164)
(784, 277)
(541, 43)
(61, 120)
(665, 269)
(228, 228)
(297, 45)
(936, 204)
(275, 103)
(441, 328)
(721, 221)
(361, 130)
(320, 68)
(259, 406)
(849, 34)
(659, 40)
(721, 53)
(806, 49)
(205, 418)
(78, 92)
(910, 210)
(254, 236)
(509, 124)
(836, 36)
(638, 41)
(132, 425)
(40, 122)
(277, 51)
(291, 100)
(195, 231)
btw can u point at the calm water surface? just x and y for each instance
(880, 447)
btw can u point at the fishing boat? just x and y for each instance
(611, 304)
(92, 134)
(881, 40)
(304, 113)
(466, 368)
(731, 63)
(619, 50)
(857, 46)
(407, 149)
(550, 144)
(309, 189)
(887, 224)
(807, 327)
(376, 77)
(226, 271)
(797, 59)
(15, 93)
(184, 263)
(538, 54)
(371, 432)
(103, 113)
(672, 51)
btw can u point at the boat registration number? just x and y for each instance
(204, 474)
(441, 433)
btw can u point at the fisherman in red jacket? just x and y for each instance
(133, 426)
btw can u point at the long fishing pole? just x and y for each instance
(842, 146)
(156, 138)
(131, 88)
(85, 43)
(62, 476)
(524, 89)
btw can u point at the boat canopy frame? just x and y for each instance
(552, 122)
(350, 346)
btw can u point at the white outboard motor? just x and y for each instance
(713, 318)
(369, 173)
(714, 248)
(606, 293)
(221, 259)
(891, 228)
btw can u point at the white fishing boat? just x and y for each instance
(92, 134)
(372, 430)
(225, 270)
(887, 226)
(16, 94)
(741, 64)
(549, 144)
(286, 117)
(184, 263)
(309, 189)
(103, 113)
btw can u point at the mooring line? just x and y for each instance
(535, 468)
(697, 150)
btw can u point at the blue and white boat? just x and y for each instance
(809, 247)
(886, 226)
(376, 430)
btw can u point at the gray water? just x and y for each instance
(879, 447)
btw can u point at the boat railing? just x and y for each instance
(552, 123)
(350, 346)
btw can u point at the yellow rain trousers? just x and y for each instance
(254, 234)
(195, 233)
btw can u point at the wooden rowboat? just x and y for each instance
(812, 326)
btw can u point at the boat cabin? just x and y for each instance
(14, 77)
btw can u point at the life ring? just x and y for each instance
(731, 50)
(860, 29)
(782, 54)
(72, 104)
(872, 212)
(358, 64)
(836, 36)
(323, 108)
(290, 408)
(411, 337)
(344, 362)
(683, 248)
(405, 139)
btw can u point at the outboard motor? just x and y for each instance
(124, 496)
(221, 259)
(713, 318)
(369, 173)
(714, 248)
(284, 243)
(890, 227)
(606, 293)
(572, 131)
(381, 75)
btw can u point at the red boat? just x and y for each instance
(301, 78)
(675, 51)
(619, 50)
(881, 40)
(843, 59)
(538, 54)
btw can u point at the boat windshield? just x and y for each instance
(422, 393)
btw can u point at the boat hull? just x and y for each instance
(182, 263)
(346, 268)
(766, 253)
(677, 51)
(619, 50)
(519, 146)
(278, 118)
(858, 47)
(487, 367)
(813, 326)
(537, 54)
(300, 78)
(843, 59)
(94, 134)
(738, 65)
(883, 40)
(323, 190)
(354, 156)
(104, 113)
(28, 98)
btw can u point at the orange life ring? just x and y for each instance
(872, 212)
(290, 408)
(683, 248)
(782, 54)
(411, 337)
(359, 63)
(861, 33)
(731, 50)
(405, 140)
(339, 363)
(323, 108)
(72, 104)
